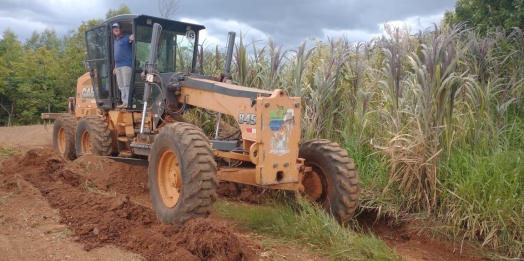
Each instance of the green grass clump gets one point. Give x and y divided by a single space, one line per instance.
311 227
483 198
6 152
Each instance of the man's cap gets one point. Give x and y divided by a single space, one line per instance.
117 24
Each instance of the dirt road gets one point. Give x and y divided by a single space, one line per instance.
98 209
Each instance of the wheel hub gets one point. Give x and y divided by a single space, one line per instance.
86 142
61 137
312 185
169 178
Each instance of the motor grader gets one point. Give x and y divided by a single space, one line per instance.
185 165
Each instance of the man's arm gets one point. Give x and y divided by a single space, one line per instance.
131 38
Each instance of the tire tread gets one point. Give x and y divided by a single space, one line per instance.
342 201
199 180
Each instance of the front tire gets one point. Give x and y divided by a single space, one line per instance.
182 174
333 181
64 135
93 136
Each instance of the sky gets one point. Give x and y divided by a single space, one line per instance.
287 22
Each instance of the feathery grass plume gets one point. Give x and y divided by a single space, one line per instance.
420 106
392 69
246 68
356 70
217 59
352 80
276 56
213 60
258 65
301 58
512 52
241 62
435 81
268 70
480 131
325 97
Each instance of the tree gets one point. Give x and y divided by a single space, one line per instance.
124 9
487 15
38 74
168 8
10 47
5 105
10 53
72 63
47 39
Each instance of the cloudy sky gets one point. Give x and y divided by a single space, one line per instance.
288 22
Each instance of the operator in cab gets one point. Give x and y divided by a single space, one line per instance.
123 55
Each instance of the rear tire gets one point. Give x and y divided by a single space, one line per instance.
333 182
64 136
93 136
182 174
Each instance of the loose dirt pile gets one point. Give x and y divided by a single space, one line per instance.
104 203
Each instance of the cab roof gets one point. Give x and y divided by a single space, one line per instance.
150 20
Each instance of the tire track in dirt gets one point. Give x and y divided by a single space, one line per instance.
79 190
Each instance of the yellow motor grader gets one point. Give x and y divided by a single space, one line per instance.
184 165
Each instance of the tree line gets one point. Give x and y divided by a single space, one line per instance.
39 75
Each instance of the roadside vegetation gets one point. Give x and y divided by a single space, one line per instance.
434 120
306 225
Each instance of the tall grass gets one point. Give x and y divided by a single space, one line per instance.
325 97
485 203
433 120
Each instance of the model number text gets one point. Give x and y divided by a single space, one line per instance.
247 118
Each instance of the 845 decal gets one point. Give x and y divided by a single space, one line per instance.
247 118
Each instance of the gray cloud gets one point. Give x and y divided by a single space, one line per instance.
287 21
298 19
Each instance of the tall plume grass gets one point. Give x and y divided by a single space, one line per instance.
419 88
325 98
433 119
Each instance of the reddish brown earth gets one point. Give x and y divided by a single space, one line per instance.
97 209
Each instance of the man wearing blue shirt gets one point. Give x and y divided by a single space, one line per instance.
123 60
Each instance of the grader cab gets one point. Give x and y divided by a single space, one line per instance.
184 165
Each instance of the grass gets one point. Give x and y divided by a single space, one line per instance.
91 188
6 152
312 228
426 117
486 203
